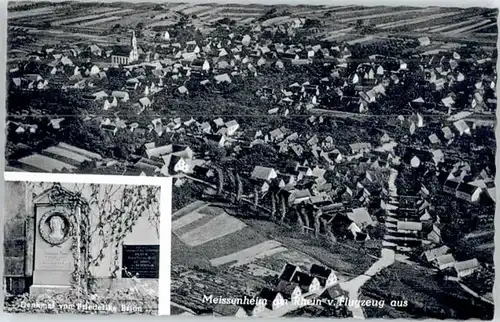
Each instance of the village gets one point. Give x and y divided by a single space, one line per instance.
383 145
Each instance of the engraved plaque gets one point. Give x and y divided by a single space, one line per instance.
142 261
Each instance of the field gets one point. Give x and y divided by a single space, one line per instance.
77 22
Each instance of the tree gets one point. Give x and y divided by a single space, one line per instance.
220 180
239 189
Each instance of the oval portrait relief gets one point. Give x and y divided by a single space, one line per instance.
54 227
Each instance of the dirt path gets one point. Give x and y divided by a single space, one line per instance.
353 286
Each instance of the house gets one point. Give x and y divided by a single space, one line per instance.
232 127
175 163
123 96
444 261
307 283
276 135
124 55
268 299
263 173
432 254
288 271
468 192
409 227
335 293
229 310
361 217
424 41
145 102
205 127
223 78
451 185
447 133
466 268
290 291
360 147
299 196
462 127
217 138
109 128
326 276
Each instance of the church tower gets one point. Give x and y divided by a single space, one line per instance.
134 55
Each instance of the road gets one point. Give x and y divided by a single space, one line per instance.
353 286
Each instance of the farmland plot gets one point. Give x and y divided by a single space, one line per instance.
276 21
335 10
468 28
247 255
380 15
218 227
417 20
130 20
98 21
196 205
361 12
486 30
445 26
85 18
30 13
186 220
196 9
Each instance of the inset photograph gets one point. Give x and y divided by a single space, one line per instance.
81 248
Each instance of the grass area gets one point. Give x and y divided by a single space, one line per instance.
428 296
337 256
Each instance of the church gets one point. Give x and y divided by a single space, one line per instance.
123 55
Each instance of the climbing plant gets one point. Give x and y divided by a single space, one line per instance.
104 215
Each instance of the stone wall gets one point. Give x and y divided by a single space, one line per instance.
18 234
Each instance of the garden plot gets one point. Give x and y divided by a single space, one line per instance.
98 21
487 27
445 26
276 21
380 15
247 255
216 228
186 220
417 20
196 9
234 16
328 9
131 19
90 17
196 205
257 270
337 33
30 13
247 20
469 28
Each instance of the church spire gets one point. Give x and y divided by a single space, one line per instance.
133 41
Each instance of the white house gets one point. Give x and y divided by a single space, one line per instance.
263 173
232 127
326 276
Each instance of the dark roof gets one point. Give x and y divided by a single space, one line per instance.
226 309
303 279
320 271
288 272
452 184
122 50
269 295
286 288
466 188
333 292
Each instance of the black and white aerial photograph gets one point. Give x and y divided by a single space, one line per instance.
327 161
81 248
